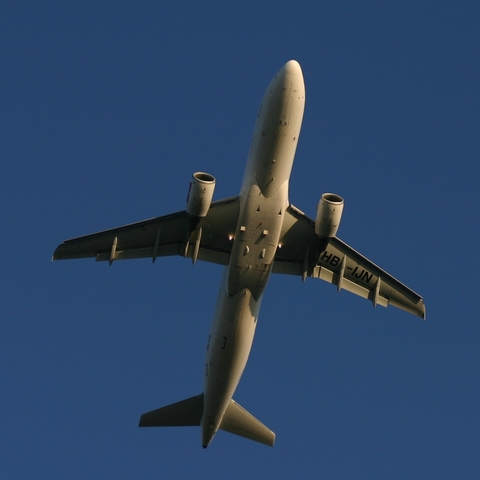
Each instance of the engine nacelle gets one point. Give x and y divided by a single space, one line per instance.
200 194
329 214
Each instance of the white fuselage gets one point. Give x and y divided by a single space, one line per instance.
263 201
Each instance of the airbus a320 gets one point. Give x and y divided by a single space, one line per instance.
254 234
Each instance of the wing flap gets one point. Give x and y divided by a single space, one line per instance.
348 285
163 251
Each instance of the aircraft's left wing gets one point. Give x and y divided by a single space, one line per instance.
161 236
302 253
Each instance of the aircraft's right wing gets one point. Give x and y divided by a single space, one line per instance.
302 253
161 236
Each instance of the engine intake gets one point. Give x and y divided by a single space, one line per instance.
200 194
329 214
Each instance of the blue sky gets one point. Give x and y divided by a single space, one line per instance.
107 108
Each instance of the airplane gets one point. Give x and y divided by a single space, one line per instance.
254 234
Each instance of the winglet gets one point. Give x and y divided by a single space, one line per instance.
424 316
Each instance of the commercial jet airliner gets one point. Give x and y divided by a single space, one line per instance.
255 234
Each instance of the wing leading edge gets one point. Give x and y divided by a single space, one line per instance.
161 236
301 253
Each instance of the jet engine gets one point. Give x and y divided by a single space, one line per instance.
200 194
329 214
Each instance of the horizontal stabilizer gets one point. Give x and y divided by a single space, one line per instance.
238 421
181 414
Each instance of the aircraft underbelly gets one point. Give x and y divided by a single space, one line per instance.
263 203
256 239
228 349
276 132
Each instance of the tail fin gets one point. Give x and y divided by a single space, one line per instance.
189 413
181 414
240 422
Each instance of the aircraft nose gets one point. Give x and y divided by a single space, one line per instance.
292 67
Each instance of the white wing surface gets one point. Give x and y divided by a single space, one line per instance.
301 252
161 236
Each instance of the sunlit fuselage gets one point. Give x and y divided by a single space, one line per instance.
263 200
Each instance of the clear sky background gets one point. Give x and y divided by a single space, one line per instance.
106 110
